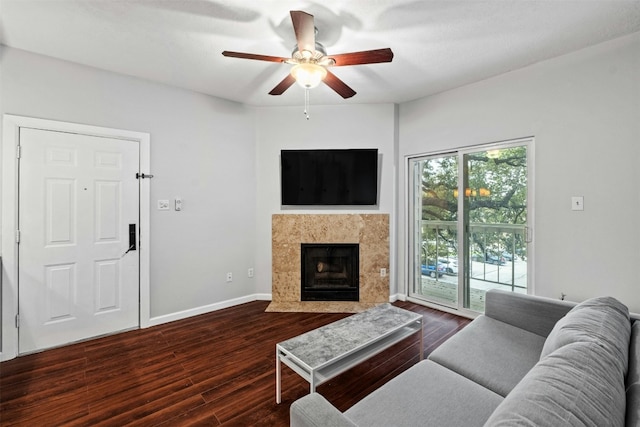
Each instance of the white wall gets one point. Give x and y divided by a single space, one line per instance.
584 111
2 50
202 149
337 126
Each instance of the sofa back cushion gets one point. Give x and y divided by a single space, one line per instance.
633 377
602 320
576 385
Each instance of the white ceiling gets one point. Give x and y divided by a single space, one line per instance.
438 45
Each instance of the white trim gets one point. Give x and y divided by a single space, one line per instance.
397 297
10 140
531 215
407 275
166 318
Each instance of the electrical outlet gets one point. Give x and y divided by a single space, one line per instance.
250 272
229 277
383 272
178 204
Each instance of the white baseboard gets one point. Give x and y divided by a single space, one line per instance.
397 297
166 318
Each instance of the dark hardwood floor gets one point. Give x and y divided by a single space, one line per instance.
217 369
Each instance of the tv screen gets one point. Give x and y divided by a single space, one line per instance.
329 177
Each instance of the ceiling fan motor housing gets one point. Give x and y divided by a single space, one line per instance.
303 56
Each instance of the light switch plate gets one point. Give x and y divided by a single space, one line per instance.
163 205
577 203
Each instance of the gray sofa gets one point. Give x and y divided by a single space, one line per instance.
528 361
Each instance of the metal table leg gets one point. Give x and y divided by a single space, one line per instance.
278 376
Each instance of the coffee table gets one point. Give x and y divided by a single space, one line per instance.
322 354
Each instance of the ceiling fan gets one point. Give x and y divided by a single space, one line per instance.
310 60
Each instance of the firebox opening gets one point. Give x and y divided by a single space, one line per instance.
330 272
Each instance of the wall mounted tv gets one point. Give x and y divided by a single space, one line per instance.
329 177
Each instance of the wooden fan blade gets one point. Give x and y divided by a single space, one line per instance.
254 56
364 57
304 29
283 85
338 85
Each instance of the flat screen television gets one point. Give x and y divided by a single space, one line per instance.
329 177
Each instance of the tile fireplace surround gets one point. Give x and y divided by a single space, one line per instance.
288 231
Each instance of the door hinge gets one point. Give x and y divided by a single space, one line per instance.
143 176
17 236
18 151
17 321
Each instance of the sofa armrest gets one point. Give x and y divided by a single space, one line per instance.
313 410
531 313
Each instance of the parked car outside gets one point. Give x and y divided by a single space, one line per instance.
450 266
488 258
509 257
477 257
494 259
433 271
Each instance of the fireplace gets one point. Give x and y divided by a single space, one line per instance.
330 272
290 231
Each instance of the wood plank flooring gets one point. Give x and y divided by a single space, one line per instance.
217 369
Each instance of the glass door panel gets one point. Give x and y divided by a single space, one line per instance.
435 276
495 216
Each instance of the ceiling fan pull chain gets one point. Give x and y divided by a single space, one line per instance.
306 103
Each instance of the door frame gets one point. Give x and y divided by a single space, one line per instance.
10 192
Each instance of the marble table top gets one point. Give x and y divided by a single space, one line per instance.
319 346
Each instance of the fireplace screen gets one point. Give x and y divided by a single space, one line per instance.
330 272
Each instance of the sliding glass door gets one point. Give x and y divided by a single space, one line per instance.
468 224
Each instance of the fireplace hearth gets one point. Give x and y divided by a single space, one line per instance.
330 272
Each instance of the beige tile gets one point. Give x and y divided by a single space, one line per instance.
285 257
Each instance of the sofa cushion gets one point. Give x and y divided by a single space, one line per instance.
633 377
313 410
576 385
427 394
633 374
603 320
633 405
494 354
529 312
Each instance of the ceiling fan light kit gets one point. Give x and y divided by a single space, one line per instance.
310 60
308 75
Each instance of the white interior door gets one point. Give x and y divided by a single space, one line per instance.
78 196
